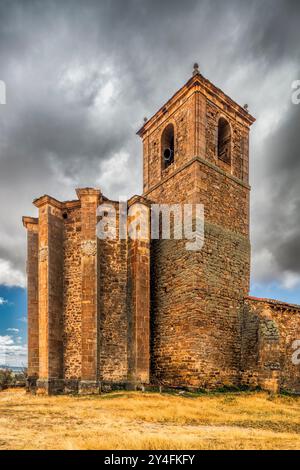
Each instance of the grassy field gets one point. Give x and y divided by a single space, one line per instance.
135 420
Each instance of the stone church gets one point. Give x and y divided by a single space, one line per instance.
123 313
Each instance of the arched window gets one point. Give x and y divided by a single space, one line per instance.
224 141
167 146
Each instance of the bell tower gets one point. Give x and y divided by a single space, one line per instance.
196 150
198 122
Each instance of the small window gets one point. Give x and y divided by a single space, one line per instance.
224 141
167 146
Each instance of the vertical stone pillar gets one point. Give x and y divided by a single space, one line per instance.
145 163
50 260
200 124
89 199
32 227
138 300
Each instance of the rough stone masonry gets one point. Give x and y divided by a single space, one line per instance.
116 313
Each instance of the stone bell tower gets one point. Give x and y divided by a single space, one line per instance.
115 312
196 150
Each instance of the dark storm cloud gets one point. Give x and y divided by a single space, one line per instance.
81 76
281 212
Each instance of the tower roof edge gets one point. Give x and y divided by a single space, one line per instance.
210 90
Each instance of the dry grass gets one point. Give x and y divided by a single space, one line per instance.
149 421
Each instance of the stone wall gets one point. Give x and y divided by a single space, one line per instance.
182 119
89 201
239 144
196 307
269 330
50 285
88 299
72 294
112 260
197 297
31 225
55 293
194 112
96 298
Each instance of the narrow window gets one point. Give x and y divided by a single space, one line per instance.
167 146
224 141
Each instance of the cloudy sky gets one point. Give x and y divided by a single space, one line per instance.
81 75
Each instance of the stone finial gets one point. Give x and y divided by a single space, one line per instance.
196 69
30 222
81 192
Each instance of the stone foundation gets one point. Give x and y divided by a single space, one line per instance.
50 386
89 387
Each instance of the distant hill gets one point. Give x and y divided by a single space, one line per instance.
13 368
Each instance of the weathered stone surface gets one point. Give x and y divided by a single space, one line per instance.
113 315
107 314
72 294
32 299
269 330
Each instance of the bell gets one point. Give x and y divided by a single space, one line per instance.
168 155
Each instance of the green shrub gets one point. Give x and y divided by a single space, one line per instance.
7 378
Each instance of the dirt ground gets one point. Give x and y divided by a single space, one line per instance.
152 421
